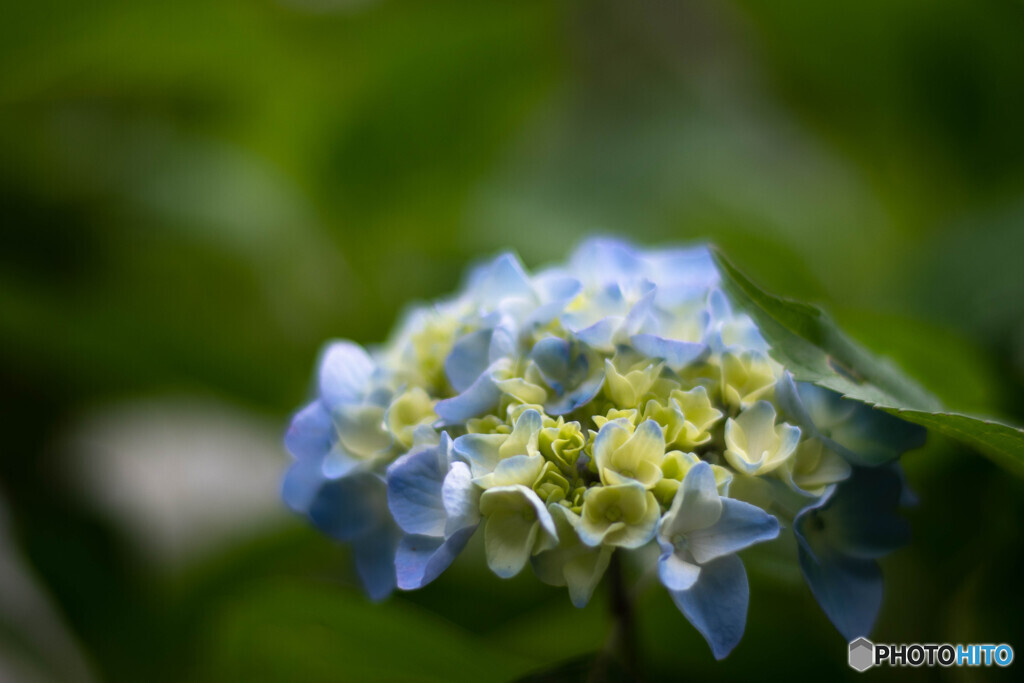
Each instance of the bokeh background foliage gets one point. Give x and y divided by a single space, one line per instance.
195 195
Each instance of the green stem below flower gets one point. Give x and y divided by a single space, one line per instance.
619 660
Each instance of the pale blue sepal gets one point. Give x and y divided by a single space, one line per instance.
601 334
502 278
840 538
848 589
740 526
375 559
479 398
348 508
310 433
716 605
415 497
345 371
676 354
421 559
300 484
468 359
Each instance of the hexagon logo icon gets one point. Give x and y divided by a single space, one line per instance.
862 654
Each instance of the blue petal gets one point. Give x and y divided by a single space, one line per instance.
414 491
461 498
479 398
310 433
862 518
740 526
301 483
375 560
503 341
717 603
682 273
602 259
468 359
791 406
848 589
676 353
345 371
861 434
600 334
876 437
421 559
555 293
551 355
675 572
642 312
350 507
556 286
339 463
503 277
578 398
480 451
718 306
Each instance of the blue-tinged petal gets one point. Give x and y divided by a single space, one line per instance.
339 463
503 342
375 559
421 559
675 572
605 259
908 498
875 437
848 589
740 526
415 498
301 483
468 359
696 505
478 399
350 507
345 371
716 605
718 306
600 335
676 354
555 293
551 355
641 313
791 406
481 451
682 273
861 434
556 286
461 498
310 433
581 396
501 278
862 518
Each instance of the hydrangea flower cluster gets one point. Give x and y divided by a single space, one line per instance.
608 405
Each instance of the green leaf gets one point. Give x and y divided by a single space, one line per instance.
283 629
809 344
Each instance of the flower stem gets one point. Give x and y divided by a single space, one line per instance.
622 645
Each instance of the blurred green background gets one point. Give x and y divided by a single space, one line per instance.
195 195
